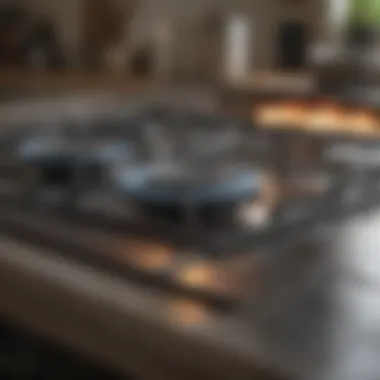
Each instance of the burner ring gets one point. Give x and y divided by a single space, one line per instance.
146 186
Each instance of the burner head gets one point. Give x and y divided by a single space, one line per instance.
177 184
45 149
64 162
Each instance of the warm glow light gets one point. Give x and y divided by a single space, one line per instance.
328 117
199 275
207 276
268 116
232 277
280 115
361 121
325 117
293 113
147 256
187 313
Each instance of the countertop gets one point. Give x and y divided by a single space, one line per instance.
119 82
273 81
314 315
70 80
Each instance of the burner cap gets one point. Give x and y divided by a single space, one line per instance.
173 185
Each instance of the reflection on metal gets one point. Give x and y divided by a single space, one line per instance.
187 313
255 214
200 274
234 277
211 277
258 212
145 255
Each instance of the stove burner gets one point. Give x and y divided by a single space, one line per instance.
68 164
189 193
200 191
173 185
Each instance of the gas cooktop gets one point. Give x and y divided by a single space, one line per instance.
176 200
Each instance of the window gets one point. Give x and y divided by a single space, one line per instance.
364 12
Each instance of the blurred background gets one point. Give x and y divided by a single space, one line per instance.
304 69
203 40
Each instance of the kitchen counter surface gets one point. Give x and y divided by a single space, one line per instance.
71 80
61 81
314 315
272 81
